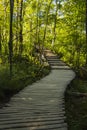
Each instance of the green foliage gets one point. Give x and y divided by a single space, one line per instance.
78 85
25 72
59 26
76 106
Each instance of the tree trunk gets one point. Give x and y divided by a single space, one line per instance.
11 36
5 29
86 32
31 38
21 27
17 27
55 20
37 23
47 12
0 41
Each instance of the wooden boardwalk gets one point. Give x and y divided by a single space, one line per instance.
40 106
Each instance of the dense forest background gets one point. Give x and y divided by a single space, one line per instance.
28 26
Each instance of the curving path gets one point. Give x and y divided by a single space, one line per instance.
40 106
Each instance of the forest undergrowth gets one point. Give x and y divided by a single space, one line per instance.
76 104
25 72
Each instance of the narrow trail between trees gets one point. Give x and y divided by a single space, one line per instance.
40 106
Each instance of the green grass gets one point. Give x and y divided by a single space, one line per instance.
24 73
76 106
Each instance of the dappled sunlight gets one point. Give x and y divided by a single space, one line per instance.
40 38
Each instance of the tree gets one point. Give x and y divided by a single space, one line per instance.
46 23
0 41
86 32
55 20
42 23
17 26
11 36
21 27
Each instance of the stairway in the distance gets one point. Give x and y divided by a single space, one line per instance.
40 106
54 61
